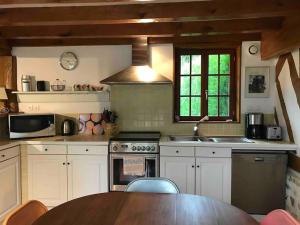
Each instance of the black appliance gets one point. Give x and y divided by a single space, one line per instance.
68 127
255 126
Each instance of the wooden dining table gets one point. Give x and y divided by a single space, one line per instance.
121 208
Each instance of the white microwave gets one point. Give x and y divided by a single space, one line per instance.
31 125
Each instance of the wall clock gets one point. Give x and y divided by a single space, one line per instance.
68 61
253 49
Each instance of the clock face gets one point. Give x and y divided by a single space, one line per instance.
68 61
253 49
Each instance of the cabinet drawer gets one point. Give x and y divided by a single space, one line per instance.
176 151
87 150
47 149
9 153
213 152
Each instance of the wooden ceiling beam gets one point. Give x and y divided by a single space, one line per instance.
206 38
148 29
287 39
69 42
198 10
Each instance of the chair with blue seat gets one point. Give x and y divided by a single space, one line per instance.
153 185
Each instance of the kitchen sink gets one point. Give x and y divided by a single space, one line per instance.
211 139
190 138
231 140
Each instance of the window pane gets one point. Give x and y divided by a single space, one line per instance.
185 85
212 106
213 85
185 64
224 85
196 106
196 85
184 106
196 64
224 106
225 64
213 64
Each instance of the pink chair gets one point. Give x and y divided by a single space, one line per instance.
279 217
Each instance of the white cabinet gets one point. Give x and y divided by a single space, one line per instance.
87 174
56 178
47 179
199 170
10 180
181 170
213 178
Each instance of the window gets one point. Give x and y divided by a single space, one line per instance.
205 84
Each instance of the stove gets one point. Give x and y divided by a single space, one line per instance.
135 142
141 149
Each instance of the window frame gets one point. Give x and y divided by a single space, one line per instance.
234 82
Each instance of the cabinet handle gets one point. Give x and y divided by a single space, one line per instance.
213 152
86 150
64 163
198 166
68 163
193 166
3 156
177 151
46 149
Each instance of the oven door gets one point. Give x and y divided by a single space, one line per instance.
119 181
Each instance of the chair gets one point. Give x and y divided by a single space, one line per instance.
154 185
26 214
279 217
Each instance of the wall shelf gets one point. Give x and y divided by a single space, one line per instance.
58 92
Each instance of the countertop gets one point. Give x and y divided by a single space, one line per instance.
258 144
75 139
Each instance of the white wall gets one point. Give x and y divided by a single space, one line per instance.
162 62
290 99
95 64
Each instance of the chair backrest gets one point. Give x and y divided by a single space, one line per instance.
279 217
26 214
154 185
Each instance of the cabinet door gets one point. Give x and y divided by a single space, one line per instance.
47 179
87 174
181 170
10 185
213 178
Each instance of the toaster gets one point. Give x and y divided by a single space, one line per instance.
273 133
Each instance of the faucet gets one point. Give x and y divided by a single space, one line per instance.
196 127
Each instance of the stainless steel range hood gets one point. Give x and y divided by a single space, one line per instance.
140 72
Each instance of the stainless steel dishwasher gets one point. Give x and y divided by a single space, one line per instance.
258 180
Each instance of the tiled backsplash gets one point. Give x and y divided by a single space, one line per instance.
150 107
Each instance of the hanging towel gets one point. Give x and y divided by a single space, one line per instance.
134 166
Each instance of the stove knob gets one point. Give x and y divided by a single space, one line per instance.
152 148
139 148
115 148
148 148
143 148
133 148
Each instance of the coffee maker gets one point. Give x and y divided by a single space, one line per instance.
255 126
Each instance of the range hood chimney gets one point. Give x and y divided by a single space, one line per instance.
140 72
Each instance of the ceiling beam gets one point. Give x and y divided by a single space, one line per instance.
287 39
148 29
69 42
198 10
206 38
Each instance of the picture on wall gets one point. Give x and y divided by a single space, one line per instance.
257 82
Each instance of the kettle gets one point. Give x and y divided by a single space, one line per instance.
67 127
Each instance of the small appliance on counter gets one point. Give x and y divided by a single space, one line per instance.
255 126
41 85
273 133
67 127
26 83
31 125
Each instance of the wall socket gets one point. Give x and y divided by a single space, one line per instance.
33 108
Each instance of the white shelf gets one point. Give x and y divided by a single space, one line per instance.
57 92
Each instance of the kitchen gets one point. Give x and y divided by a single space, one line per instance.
97 77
